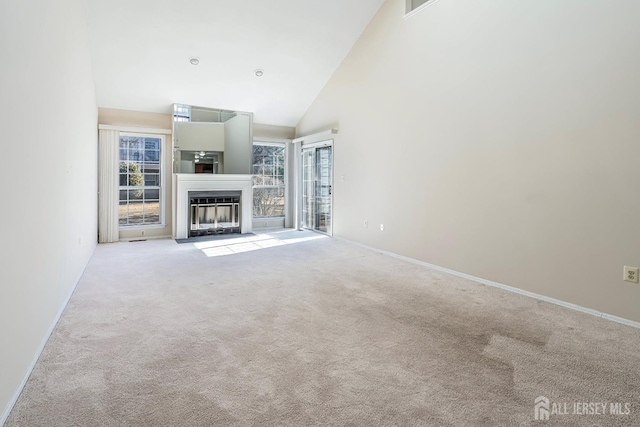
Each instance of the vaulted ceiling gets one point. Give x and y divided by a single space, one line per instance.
141 51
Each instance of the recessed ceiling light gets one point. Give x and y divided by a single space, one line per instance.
194 61
258 73
202 153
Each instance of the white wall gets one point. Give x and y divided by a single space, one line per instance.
496 138
48 117
272 131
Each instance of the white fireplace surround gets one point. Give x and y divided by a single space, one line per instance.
185 182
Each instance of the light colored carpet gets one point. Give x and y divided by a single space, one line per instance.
297 329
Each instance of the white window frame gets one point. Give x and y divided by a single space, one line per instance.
162 188
281 144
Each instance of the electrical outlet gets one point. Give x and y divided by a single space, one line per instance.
381 227
366 224
630 274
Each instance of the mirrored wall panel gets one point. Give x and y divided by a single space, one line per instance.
224 136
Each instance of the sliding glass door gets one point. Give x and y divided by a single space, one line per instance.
317 181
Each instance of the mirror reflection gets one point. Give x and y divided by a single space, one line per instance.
211 140
200 162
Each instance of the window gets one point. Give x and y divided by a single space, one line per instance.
414 5
268 180
181 113
140 179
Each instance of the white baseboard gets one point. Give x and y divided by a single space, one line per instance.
14 399
555 301
140 239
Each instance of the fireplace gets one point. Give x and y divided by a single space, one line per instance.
214 212
230 214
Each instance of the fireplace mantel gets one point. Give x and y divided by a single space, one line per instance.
185 182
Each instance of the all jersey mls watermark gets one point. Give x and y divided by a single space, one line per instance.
544 409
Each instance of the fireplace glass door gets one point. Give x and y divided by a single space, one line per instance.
317 181
211 214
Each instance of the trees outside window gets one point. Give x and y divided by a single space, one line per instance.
140 180
268 180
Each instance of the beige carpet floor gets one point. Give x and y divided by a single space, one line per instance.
296 329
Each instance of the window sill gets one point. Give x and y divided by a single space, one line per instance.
141 227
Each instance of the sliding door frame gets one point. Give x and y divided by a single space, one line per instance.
300 186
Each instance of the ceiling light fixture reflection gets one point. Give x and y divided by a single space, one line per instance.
202 153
